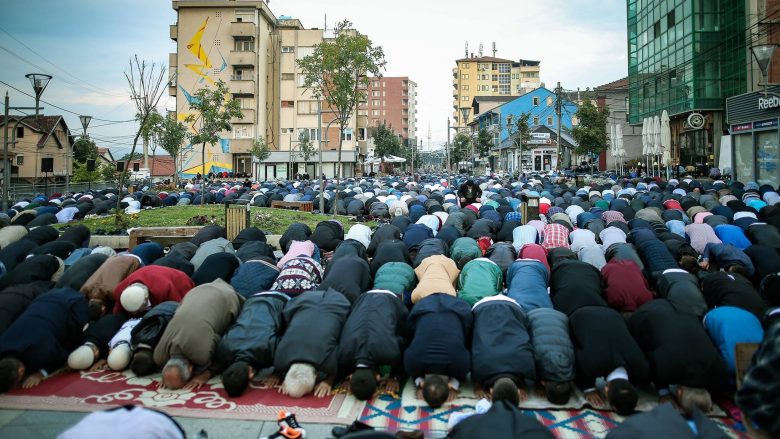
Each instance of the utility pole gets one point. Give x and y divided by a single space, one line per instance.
448 144
558 112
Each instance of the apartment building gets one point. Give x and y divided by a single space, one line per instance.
392 101
489 76
244 44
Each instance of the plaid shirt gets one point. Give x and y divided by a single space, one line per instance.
612 215
555 235
759 396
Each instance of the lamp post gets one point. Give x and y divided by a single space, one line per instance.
39 82
85 120
763 54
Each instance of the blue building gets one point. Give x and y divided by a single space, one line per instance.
538 154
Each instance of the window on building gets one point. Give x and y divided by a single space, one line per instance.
244 45
485 88
376 112
485 77
362 112
464 98
244 73
311 132
243 131
288 49
247 103
20 160
288 104
465 65
464 76
670 19
301 81
347 134
288 76
536 120
375 84
494 77
657 29
245 15
19 132
575 121
361 134
549 120
494 89
464 87
550 101
515 76
307 107
494 66
288 130
305 51
375 102
503 79
376 93
536 100
504 89
504 68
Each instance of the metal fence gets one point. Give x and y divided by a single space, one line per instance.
18 191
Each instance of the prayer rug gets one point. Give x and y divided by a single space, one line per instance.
91 391
574 420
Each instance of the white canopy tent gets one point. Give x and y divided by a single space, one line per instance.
666 141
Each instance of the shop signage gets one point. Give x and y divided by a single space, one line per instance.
539 142
741 127
765 124
769 101
540 135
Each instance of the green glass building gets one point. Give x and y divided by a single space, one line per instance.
686 56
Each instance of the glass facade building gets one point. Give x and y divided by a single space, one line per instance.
684 55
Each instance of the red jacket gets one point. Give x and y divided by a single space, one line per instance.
164 284
625 287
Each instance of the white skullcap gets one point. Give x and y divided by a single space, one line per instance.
134 297
119 357
81 358
108 251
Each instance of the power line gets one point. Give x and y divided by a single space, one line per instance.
63 109
93 87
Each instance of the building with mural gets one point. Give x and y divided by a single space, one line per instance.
255 54
540 152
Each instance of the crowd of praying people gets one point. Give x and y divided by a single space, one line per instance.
613 287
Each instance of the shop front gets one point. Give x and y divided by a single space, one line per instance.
754 122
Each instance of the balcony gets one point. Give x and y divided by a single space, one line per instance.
242 58
174 31
173 59
243 29
242 86
249 116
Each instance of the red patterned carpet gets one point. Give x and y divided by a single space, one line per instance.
90 391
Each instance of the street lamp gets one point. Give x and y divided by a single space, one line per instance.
85 120
763 54
39 82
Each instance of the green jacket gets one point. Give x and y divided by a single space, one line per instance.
480 278
396 277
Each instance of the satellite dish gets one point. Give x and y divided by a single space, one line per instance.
696 121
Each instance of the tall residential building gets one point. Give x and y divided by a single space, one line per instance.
392 101
242 43
687 57
489 76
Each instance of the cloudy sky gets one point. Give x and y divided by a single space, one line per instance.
86 45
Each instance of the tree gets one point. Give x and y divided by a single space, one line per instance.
259 149
214 109
460 148
150 132
385 142
519 131
170 136
84 149
591 132
483 143
305 146
337 71
108 173
146 88
81 175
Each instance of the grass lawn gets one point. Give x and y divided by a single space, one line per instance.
274 221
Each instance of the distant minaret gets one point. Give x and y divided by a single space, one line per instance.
467 50
494 49
429 137
480 50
